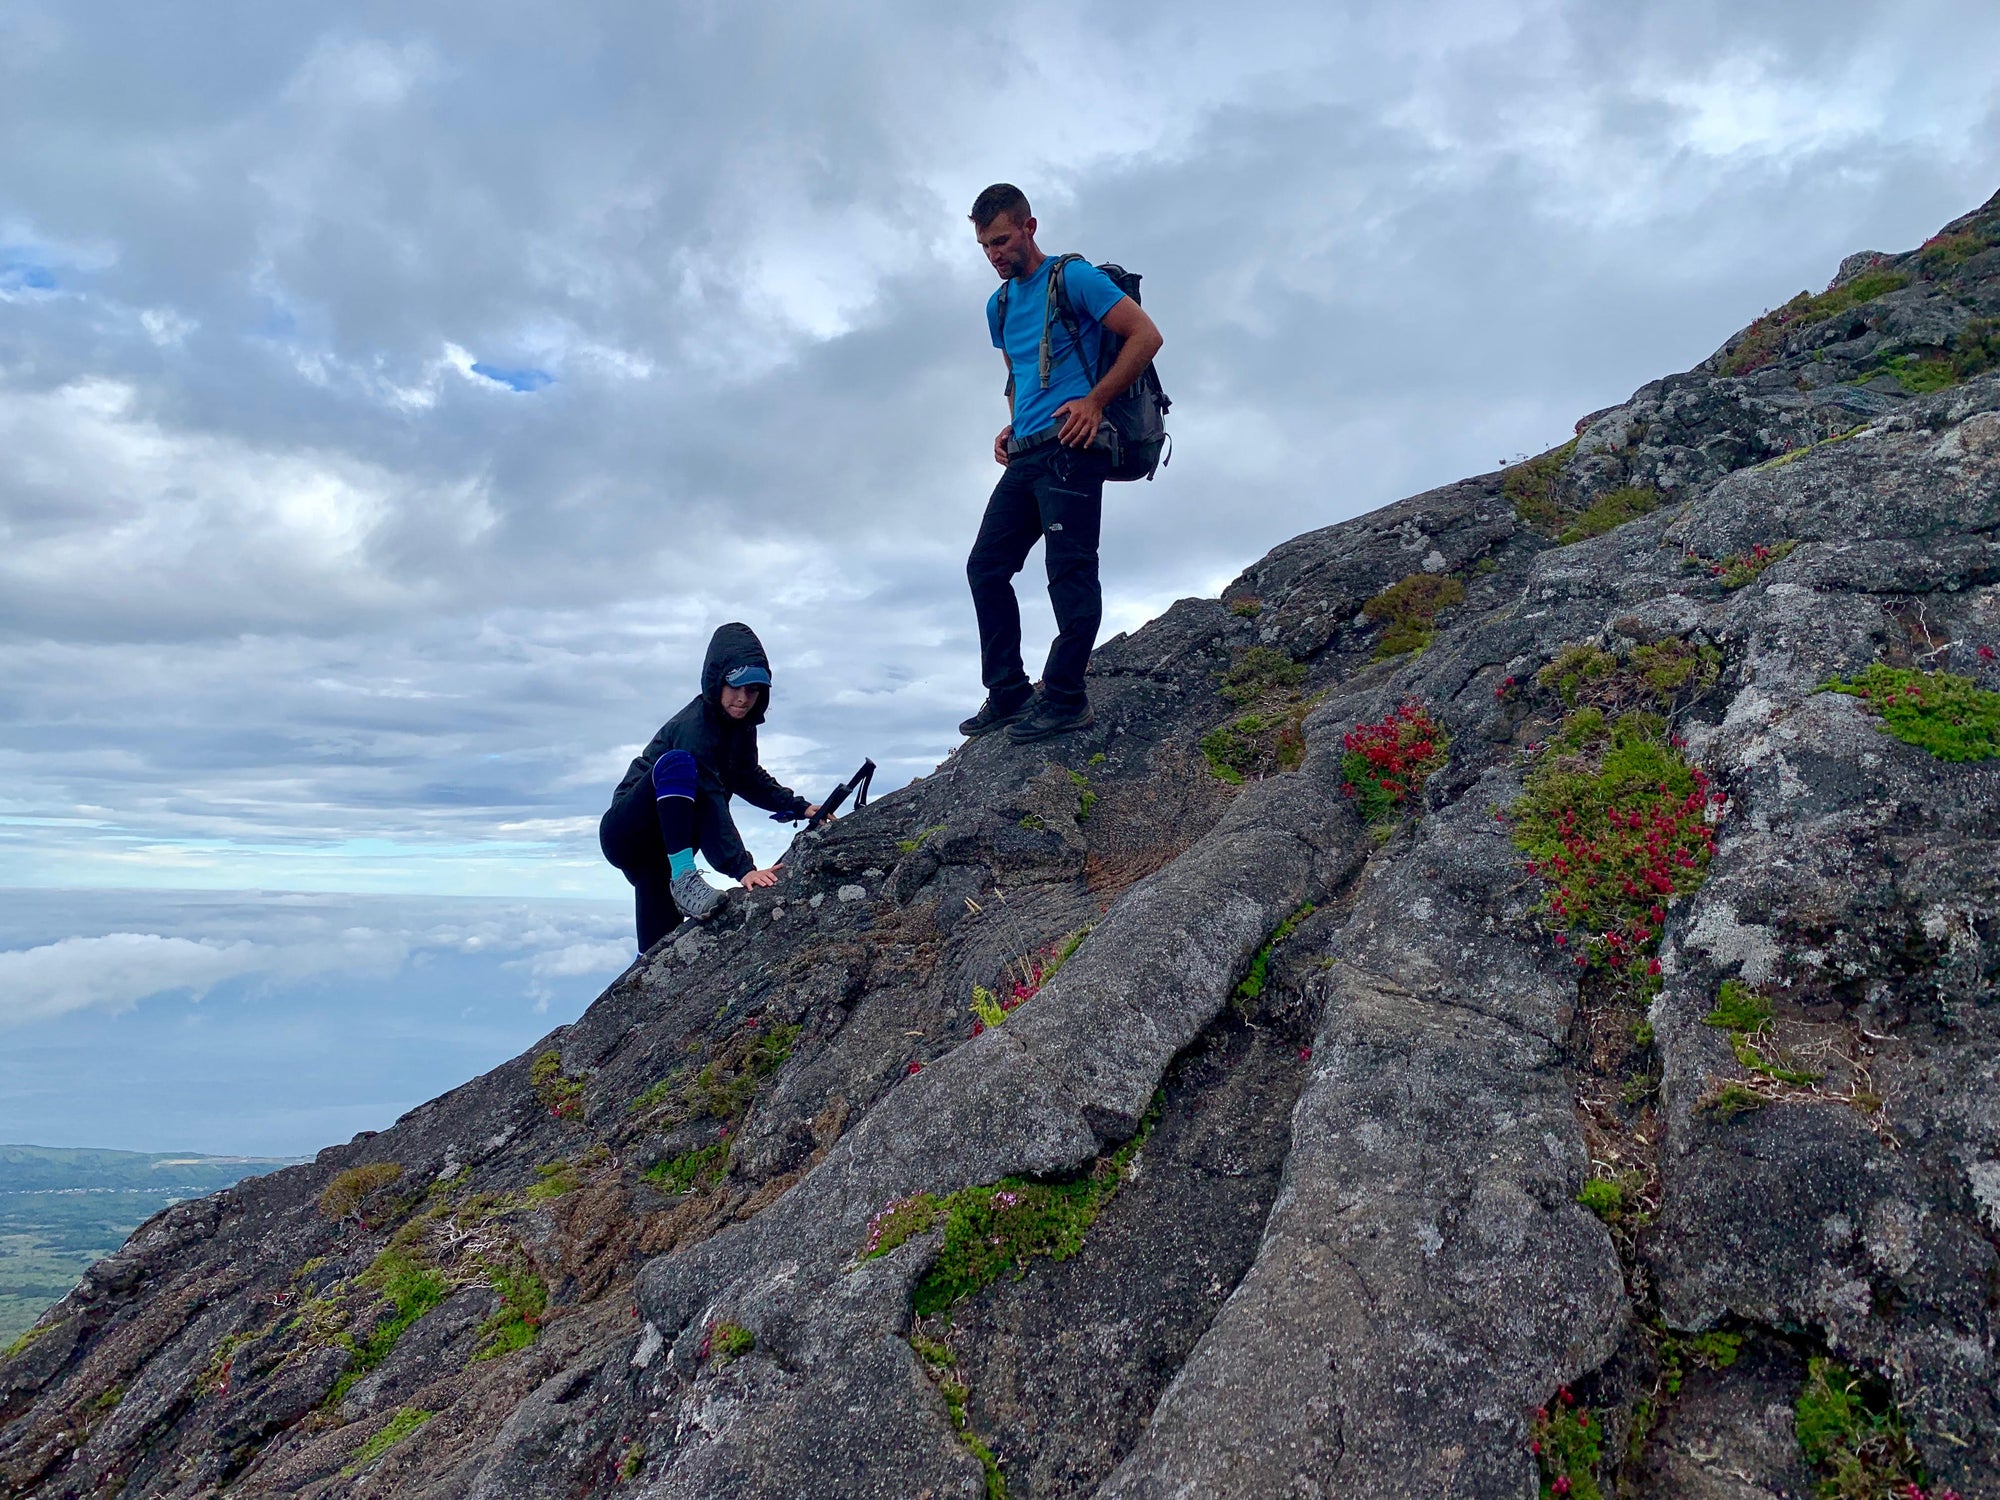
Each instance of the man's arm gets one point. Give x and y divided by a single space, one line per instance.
1129 321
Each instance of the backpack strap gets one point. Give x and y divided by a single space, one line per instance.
1058 307
1002 309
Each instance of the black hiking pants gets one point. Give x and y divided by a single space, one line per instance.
633 838
1055 495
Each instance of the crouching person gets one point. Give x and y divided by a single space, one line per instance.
675 797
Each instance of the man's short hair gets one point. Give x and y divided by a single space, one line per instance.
1001 198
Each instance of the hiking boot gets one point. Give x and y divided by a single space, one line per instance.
990 718
696 898
1049 720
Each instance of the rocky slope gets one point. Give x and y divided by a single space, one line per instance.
1613 1100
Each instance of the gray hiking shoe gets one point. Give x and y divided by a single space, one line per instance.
696 898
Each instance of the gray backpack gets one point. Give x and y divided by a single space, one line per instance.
1138 413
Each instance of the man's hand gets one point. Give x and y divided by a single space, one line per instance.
1080 420
813 810
758 880
1000 445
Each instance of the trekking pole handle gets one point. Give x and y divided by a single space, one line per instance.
857 783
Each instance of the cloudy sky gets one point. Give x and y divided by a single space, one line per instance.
392 399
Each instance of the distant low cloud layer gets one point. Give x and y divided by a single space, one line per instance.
273 1023
391 401
287 941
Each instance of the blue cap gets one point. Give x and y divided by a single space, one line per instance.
748 677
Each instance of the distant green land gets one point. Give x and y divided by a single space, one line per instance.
61 1208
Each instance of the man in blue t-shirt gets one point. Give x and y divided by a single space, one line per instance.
1056 451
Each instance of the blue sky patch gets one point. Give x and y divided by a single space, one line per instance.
18 274
514 380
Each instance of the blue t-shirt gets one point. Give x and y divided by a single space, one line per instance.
1092 294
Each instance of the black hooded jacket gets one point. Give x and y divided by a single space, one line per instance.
724 749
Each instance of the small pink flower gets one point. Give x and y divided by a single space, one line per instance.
1305 1054
1985 654
915 1066
1653 967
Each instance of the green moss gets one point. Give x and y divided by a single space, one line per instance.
1231 749
1603 1197
411 1288
659 1094
1259 670
1608 511
911 846
344 1194
560 1094
1746 1016
992 1230
1086 799
1659 673
1484 566
1575 669
1796 454
1410 608
724 1086
728 1342
524 1297
1246 608
941 1365
1675 1352
406 1421
1949 716
633 1461
1765 339
1851 1431
1729 1101
691 1171
22 1344
1533 488
552 1180
1251 986
1920 376
1671 667
1739 1008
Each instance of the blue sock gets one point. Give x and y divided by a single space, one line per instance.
680 862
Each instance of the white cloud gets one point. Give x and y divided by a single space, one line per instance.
115 972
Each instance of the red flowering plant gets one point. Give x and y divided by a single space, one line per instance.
1387 763
1567 1441
1740 569
1617 824
1024 980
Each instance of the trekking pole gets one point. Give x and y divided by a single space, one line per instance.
855 786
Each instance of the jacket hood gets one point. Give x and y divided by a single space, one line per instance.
733 645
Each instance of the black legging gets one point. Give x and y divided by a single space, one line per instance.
635 835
